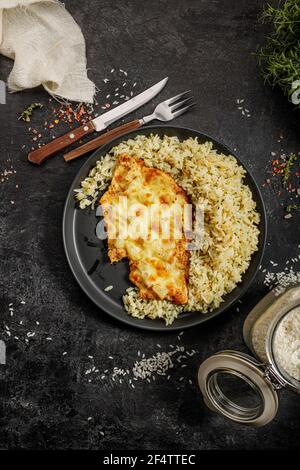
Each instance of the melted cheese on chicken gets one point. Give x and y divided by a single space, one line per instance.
144 223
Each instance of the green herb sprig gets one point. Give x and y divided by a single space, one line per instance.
289 162
293 207
27 113
279 58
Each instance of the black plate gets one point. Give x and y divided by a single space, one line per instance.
87 256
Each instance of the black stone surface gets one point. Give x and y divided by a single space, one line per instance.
205 45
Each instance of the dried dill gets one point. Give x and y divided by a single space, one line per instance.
293 207
27 113
289 162
279 58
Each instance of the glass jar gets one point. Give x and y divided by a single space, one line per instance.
244 388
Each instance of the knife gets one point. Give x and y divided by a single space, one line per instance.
98 124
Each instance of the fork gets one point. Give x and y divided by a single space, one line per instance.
165 111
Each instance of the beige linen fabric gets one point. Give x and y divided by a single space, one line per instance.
47 47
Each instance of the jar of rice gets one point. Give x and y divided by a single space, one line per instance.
244 388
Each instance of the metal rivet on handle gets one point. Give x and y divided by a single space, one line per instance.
85 128
72 136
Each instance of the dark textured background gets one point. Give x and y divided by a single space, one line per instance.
207 46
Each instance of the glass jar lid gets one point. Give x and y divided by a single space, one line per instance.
237 386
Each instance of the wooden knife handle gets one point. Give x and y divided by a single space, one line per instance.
102 139
40 155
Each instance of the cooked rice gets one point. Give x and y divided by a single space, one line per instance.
212 180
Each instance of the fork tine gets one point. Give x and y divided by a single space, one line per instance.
183 110
177 97
179 104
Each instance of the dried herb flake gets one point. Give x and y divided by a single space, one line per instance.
27 113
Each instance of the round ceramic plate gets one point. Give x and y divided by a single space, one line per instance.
87 255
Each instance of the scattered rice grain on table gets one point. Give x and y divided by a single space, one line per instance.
231 221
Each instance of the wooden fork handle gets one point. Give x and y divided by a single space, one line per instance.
43 153
102 139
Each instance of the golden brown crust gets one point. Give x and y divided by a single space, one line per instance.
156 277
